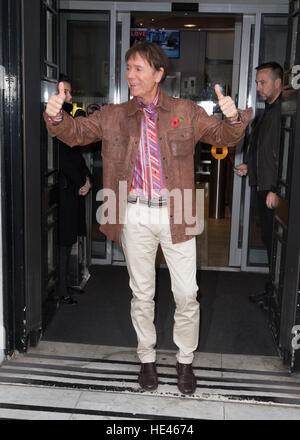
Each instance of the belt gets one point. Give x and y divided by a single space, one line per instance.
152 203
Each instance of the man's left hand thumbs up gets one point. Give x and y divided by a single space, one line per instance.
226 105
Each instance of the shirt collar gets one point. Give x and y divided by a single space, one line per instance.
150 107
164 103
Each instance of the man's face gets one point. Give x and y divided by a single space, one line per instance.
267 88
142 79
68 90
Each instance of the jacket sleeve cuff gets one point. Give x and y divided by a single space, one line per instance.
57 120
237 122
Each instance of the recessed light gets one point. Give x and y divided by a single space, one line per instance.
189 25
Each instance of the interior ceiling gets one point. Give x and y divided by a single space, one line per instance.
174 21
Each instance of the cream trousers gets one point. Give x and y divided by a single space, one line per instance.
143 230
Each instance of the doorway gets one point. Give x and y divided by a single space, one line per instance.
218 47
118 25
235 60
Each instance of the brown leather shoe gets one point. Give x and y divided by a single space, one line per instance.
148 376
186 379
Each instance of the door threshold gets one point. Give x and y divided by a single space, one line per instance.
235 386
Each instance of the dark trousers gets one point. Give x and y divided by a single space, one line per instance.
266 216
65 252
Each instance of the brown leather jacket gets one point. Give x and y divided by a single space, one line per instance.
118 126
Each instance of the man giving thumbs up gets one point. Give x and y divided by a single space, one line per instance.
55 102
226 105
148 146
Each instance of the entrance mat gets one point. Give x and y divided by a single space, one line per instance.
229 322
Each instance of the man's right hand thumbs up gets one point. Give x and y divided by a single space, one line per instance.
226 104
56 101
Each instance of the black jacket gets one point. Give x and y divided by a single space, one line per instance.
72 176
265 176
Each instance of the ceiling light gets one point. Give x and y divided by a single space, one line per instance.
189 25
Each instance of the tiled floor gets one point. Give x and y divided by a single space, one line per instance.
74 381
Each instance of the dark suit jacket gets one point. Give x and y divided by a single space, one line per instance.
72 176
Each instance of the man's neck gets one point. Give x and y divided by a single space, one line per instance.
274 98
148 102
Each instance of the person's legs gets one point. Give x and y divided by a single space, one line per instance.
144 229
65 297
140 245
181 261
266 216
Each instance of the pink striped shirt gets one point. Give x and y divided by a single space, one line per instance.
147 181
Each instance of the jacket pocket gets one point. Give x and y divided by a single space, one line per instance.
114 146
181 141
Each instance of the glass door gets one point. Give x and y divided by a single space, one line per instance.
49 164
284 315
246 96
85 58
115 252
264 39
93 46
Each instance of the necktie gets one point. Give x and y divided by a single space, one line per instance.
151 144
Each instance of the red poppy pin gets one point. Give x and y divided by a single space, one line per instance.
176 121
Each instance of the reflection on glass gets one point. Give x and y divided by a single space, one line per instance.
87 63
285 155
273 38
294 40
50 22
279 230
250 68
50 154
257 253
50 218
282 191
50 250
50 179
88 59
278 261
118 63
51 72
98 239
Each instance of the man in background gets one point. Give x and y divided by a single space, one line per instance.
261 162
74 185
